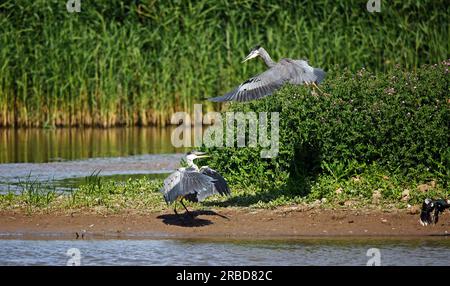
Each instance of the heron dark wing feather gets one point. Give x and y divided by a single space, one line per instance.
186 182
195 180
171 181
223 98
172 188
220 184
302 72
257 87
286 70
320 74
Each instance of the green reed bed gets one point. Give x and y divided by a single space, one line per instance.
136 62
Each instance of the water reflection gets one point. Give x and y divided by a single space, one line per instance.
40 145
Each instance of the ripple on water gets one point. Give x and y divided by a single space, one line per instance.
179 252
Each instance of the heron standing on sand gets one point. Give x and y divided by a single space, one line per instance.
285 71
192 183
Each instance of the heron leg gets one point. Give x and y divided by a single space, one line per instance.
175 208
309 85
317 87
436 216
187 211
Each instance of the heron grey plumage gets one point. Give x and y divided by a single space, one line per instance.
285 71
431 210
192 183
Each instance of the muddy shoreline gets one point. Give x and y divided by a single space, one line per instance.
223 223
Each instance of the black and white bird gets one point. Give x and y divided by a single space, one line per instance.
291 71
431 210
193 184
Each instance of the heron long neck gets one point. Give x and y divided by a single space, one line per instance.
191 164
266 58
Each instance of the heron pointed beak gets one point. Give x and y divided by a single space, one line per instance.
246 59
250 56
200 155
203 156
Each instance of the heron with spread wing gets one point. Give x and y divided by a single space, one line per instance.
285 71
431 210
192 183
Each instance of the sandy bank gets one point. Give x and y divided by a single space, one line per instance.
287 222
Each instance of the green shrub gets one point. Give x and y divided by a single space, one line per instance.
396 123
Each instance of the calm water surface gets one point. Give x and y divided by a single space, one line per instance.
67 144
191 252
63 157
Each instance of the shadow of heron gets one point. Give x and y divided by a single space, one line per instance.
189 220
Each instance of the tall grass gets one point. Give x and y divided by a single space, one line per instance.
35 193
135 62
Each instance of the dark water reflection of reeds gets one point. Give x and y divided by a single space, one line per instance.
41 145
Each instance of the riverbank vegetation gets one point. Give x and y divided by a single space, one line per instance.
136 62
376 140
142 196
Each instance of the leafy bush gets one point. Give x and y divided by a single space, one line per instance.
397 122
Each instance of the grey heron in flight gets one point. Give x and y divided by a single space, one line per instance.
285 71
192 183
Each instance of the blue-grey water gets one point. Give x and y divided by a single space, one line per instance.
67 174
61 158
194 252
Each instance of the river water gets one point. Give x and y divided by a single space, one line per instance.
201 252
63 157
